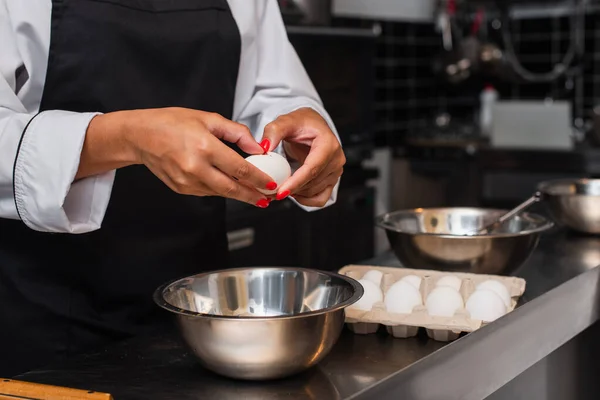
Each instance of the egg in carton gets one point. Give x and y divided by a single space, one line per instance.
442 328
366 321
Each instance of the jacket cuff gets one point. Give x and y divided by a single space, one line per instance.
46 163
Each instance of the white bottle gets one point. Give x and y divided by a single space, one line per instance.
488 97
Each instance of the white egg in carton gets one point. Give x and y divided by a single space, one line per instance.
451 312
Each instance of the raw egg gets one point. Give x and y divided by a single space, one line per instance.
485 305
374 276
274 165
372 294
450 281
498 288
413 280
443 301
402 297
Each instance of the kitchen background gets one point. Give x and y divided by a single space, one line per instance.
409 102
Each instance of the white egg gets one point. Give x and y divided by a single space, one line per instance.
413 280
274 165
485 305
450 281
402 297
372 294
443 301
497 287
373 276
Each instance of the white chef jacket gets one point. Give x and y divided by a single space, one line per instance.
271 82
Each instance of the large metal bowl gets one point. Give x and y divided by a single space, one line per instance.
441 239
574 203
260 323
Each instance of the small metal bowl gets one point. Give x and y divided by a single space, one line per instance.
440 238
260 323
574 203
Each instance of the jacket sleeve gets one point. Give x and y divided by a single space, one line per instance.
39 152
280 83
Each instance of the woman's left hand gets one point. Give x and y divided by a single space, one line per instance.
307 139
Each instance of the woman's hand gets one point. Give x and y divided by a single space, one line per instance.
180 146
307 139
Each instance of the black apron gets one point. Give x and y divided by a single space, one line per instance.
61 294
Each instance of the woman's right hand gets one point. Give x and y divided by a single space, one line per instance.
180 146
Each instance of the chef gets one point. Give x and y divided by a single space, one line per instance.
121 128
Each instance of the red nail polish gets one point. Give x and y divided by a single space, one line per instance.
282 195
271 185
262 203
266 145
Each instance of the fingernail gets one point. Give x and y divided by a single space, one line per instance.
266 145
262 203
271 185
282 195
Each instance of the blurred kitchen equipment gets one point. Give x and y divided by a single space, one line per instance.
490 60
487 99
493 63
507 9
471 55
490 57
498 222
576 46
260 323
306 12
574 203
435 238
460 58
521 124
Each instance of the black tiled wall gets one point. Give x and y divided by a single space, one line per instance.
409 96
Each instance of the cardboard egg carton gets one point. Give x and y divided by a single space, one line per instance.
407 325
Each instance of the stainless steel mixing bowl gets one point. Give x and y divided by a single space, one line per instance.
436 238
574 202
260 323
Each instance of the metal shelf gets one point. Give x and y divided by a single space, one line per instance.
374 32
549 11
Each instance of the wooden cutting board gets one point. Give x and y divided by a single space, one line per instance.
11 389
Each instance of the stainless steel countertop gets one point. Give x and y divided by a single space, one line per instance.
559 302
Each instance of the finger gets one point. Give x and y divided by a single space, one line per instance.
232 164
319 185
317 160
275 132
232 132
316 201
224 186
334 166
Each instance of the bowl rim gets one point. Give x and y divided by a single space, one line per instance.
161 302
544 186
546 224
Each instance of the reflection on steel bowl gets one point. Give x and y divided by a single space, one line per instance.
260 323
440 238
574 203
